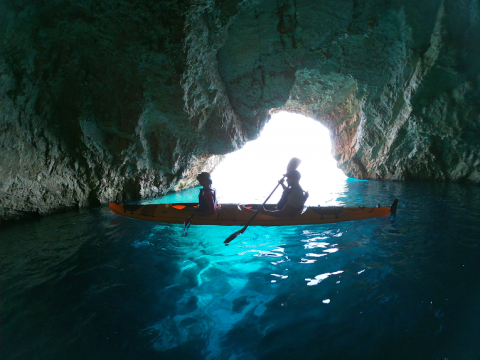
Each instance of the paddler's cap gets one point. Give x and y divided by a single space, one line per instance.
293 174
204 175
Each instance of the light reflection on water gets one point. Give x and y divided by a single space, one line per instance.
89 284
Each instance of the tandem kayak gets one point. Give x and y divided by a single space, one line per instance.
235 214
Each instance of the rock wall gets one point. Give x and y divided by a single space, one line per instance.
118 100
92 105
396 82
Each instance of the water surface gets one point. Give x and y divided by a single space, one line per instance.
88 284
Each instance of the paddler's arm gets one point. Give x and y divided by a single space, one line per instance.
287 210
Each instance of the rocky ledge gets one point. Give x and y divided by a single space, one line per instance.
120 100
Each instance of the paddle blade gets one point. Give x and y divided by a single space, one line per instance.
293 164
186 225
234 235
393 207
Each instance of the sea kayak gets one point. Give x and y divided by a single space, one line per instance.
237 214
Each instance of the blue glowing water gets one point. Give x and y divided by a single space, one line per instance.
88 284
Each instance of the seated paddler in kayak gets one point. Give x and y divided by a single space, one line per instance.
207 198
293 197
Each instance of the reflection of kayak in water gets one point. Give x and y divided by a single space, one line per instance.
234 214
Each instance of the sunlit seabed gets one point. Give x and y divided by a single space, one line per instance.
91 285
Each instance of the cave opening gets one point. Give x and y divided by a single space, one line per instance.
250 174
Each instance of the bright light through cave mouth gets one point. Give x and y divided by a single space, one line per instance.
249 175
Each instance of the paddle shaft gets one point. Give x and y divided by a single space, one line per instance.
254 215
292 165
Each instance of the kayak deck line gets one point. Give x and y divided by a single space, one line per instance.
239 214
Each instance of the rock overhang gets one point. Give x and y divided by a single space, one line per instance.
117 101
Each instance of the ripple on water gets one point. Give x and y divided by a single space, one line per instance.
88 283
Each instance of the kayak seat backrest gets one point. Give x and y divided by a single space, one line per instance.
227 212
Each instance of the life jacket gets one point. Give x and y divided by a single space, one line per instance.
202 204
283 200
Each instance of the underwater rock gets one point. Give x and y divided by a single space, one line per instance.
116 101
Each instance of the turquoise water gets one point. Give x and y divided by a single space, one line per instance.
88 284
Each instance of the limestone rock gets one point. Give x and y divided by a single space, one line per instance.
119 100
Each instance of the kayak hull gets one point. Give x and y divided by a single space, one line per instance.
239 215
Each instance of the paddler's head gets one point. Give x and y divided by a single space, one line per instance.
204 179
293 177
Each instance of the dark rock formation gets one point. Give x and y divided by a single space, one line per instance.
122 99
92 105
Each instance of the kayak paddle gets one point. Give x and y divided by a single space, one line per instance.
186 224
292 165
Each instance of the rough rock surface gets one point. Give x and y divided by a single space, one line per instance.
117 100
91 104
